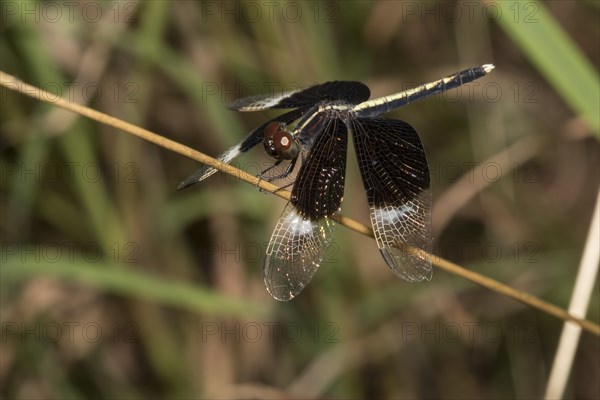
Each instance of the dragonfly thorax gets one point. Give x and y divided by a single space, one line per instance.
341 110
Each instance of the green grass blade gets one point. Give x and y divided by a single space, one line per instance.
556 56
136 284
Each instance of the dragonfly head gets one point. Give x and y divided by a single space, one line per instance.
279 143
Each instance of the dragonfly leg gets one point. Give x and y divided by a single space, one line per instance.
284 174
262 175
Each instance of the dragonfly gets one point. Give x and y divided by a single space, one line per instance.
392 163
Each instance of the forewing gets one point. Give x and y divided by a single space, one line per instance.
296 249
395 175
304 231
252 139
348 91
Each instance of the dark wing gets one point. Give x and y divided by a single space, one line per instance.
304 231
396 178
252 139
347 91
319 187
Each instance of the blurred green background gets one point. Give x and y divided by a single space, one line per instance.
114 285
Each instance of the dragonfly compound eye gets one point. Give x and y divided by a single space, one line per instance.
279 143
271 129
269 144
285 145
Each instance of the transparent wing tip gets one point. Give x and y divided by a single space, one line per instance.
407 266
280 293
297 248
278 289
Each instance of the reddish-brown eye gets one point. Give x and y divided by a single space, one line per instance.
279 143
285 145
268 133
271 129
